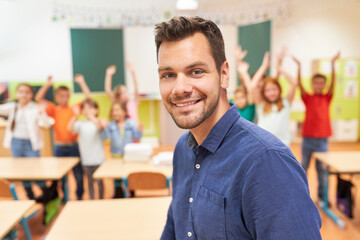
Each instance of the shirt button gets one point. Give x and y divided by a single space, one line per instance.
189 234
197 166
191 199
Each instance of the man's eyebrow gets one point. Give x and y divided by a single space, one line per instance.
195 64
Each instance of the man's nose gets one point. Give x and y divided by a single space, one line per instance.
182 85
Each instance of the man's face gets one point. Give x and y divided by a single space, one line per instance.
189 81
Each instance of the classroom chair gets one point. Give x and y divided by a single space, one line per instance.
7 192
147 184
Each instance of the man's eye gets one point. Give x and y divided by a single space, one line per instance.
197 72
167 75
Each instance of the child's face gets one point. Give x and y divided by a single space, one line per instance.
24 94
271 92
240 100
117 113
62 97
89 110
124 95
318 85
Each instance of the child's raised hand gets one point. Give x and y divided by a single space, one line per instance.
76 110
111 70
336 57
266 60
49 81
296 60
240 54
79 78
140 127
130 66
243 67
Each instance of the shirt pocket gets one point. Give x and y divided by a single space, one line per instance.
209 215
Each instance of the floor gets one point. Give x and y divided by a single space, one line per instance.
329 230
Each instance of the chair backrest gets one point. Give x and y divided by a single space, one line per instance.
5 193
146 181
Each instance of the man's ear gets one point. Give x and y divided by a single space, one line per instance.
224 75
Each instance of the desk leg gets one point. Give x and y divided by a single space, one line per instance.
324 205
66 188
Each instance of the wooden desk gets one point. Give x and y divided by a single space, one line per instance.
118 169
11 213
136 219
37 169
340 163
31 169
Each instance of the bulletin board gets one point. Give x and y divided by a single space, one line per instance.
93 50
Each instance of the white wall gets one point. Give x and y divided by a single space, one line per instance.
32 46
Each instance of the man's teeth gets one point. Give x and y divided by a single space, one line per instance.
185 104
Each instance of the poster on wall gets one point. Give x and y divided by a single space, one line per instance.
351 89
351 69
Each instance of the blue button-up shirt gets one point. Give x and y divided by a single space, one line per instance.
240 183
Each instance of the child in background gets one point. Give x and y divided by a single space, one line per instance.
121 92
90 142
121 131
317 126
242 97
23 135
62 112
273 111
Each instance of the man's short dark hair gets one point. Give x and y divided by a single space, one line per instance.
179 28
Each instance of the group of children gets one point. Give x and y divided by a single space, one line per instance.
259 99
72 137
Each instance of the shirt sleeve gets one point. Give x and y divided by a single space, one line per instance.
50 109
136 133
77 126
276 199
169 230
6 108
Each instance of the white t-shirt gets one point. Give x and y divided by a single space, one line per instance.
90 143
21 130
276 122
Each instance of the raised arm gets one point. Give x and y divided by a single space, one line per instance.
110 71
79 79
71 124
332 84
131 68
2 88
258 76
279 59
40 95
240 54
243 71
293 83
302 90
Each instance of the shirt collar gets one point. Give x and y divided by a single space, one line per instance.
218 132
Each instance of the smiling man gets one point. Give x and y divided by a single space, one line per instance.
231 179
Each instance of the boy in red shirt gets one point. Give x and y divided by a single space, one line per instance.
65 141
317 126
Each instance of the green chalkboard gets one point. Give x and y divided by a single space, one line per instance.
93 50
255 38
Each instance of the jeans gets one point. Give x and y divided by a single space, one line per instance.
72 151
89 171
310 145
22 148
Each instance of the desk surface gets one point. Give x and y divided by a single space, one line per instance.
11 213
136 219
342 162
117 168
43 168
